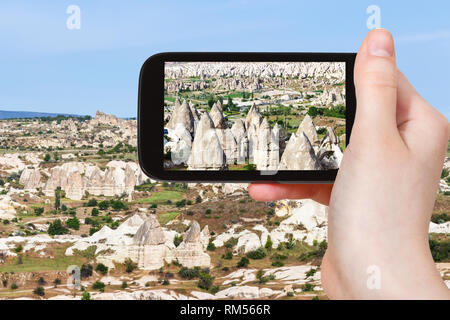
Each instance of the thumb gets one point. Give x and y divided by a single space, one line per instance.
376 89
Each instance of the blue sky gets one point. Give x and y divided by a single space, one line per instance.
46 67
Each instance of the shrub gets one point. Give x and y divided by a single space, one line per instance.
38 211
63 207
41 281
57 228
95 212
57 282
190 213
91 203
124 285
230 243
73 223
86 296
211 246
269 243
14 286
205 281
118 205
103 205
5 283
208 211
177 240
307 287
259 253
440 217
130 266
101 268
39 291
228 255
187 273
98 285
310 273
214 289
165 282
440 250
243 262
86 271
198 199
181 203
153 206
19 248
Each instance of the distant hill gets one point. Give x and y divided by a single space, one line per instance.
30 114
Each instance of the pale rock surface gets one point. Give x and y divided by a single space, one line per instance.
207 152
30 178
299 155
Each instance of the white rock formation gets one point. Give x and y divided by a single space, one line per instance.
207 152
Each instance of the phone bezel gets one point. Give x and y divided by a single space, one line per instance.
151 116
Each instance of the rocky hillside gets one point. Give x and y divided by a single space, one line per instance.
91 208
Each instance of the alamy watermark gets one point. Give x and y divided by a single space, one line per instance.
73 21
374 19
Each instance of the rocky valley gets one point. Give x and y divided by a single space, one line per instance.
254 116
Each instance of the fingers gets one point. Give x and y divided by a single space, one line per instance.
376 88
270 192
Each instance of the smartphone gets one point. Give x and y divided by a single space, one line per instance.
245 117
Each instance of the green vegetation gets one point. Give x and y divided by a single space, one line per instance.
161 197
32 264
440 217
440 250
336 112
259 253
101 268
164 218
244 262
57 228
73 223
39 291
98 285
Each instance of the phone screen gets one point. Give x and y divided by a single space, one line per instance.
265 116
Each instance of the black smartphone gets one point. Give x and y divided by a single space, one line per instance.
245 117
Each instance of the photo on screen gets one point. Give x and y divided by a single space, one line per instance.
266 116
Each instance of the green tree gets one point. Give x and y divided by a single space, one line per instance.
58 198
102 268
39 291
57 228
86 296
47 157
269 243
73 223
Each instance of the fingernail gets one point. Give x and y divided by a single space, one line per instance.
381 43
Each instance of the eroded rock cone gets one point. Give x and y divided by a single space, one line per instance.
217 117
194 111
230 146
299 155
307 126
329 139
182 115
264 137
239 133
30 178
193 234
207 152
149 233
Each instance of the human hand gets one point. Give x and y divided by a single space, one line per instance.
383 196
